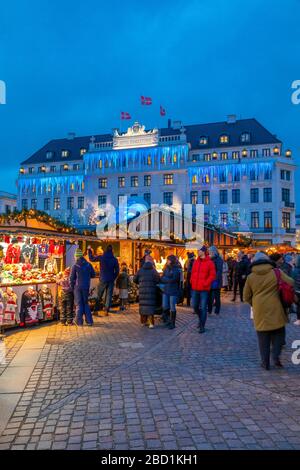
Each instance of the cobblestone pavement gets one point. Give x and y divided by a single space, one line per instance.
122 386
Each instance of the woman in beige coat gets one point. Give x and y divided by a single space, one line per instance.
261 292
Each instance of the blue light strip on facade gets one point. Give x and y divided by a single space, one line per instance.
51 184
137 158
200 173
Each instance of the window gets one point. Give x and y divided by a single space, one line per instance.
288 175
134 181
80 202
70 203
56 204
236 155
268 220
286 220
194 197
282 174
52 169
236 196
203 140
25 204
195 157
235 216
253 153
168 199
254 195
33 203
149 160
266 152
268 174
224 139
236 175
254 219
223 196
267 194
224 155
207 157
222 177
147 198
168 179
102 183
121 181
253 175
205 198
285 195
102 200
7 209
82 151
49 154
205 179
245 137
47 204
31 170
147 180
224 218
65 153
76 167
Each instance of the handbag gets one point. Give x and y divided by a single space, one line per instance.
286 291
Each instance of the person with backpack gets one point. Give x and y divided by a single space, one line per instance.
262 293
80 280
170 280
296 277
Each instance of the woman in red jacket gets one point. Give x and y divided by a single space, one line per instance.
203 274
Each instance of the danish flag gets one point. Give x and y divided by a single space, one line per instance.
146 100
162 111
125 115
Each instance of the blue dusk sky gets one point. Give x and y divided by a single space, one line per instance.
74 65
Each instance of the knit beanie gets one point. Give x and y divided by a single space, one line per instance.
260 256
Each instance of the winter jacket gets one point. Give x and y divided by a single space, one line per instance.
225 274
81 274
287 268
296 277
218 262
261 292
203 274
109 266
171 279
242 268
123 281
147 278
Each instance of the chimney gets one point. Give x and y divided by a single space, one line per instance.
71 135
231 118
169 123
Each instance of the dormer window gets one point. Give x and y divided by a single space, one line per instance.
224 139
82 151
49 155
245 137
65 153
203 140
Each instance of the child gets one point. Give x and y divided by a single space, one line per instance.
123 284
66 299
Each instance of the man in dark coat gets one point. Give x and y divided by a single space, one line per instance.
214 298
80 280
109 270
242 269
188 272
147 278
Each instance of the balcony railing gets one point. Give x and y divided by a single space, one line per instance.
289 204
290 230
261 230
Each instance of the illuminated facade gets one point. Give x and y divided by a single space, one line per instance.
236 168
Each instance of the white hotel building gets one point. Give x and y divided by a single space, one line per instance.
236 168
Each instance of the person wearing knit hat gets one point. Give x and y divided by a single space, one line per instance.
80 280
269 316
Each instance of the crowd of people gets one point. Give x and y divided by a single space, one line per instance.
258 278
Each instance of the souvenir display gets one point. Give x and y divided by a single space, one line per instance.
50 265
13 252
10 307
28 252
47 305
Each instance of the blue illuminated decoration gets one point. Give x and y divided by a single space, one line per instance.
138 158
207 174
51 184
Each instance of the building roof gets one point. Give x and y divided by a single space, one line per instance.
259 135
5 195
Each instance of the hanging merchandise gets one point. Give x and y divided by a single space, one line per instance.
10 307
50 265
13 252
28 252
47 305
43 249
1 252
30 307
56 249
